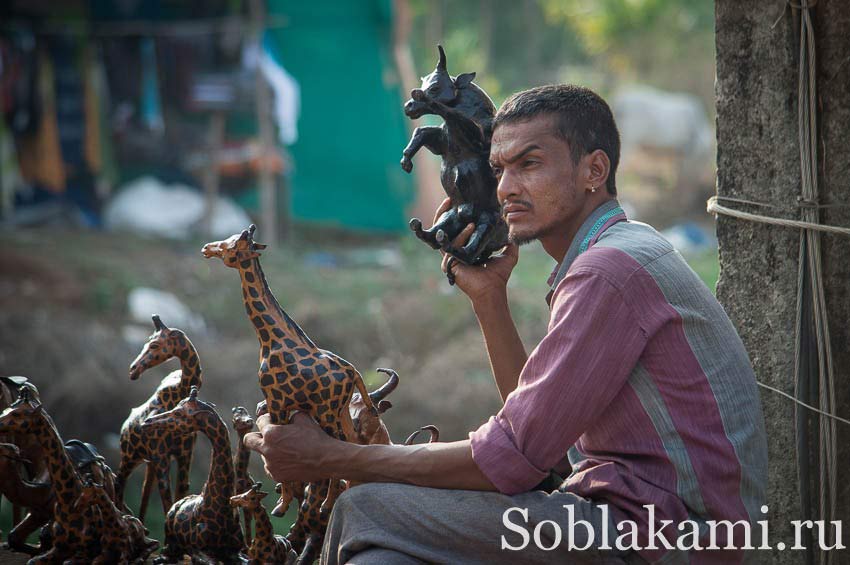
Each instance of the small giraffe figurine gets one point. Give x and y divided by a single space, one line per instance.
158 449
75 531
123 538
243 423
203 524
294 373
266 547
308 532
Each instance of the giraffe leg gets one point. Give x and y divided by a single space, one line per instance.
334 429
184 465
147 485
164 484
126 467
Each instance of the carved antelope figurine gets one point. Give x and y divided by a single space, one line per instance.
37 497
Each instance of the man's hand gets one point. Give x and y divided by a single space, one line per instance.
292 452
479 283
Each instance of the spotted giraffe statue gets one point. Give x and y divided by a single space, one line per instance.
201 525
123 538
266 547
76 532
159 449
294 373
243 423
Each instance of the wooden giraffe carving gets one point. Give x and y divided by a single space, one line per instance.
159 448
75 531
266 547
243 423
37 497
23 478
123 538
294 373
203 524
308 532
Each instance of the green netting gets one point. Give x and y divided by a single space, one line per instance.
352 129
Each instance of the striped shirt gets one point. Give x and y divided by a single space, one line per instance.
643 381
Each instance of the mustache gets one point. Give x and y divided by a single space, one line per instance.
524 203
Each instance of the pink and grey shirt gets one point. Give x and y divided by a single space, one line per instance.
643 379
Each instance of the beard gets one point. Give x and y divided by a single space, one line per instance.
523 239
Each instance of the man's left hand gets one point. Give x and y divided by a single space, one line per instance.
293 452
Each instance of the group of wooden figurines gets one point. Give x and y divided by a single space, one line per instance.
77 501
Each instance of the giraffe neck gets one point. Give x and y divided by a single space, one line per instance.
263 530
109 511
59 464
243 455
190 366
270 321
219 486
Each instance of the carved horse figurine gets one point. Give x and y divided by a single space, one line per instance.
75 531
294 373
243 423
159 448
463 142
203 524
123 538
266 547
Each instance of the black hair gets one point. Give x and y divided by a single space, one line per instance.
583 120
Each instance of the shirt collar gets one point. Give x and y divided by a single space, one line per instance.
590 228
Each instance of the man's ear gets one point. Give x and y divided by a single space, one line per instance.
598 168
463 80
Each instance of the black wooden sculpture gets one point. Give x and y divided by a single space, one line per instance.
463 141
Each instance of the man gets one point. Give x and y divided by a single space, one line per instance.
641 381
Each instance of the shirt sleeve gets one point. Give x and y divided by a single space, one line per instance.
593 343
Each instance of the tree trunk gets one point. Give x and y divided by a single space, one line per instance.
758 159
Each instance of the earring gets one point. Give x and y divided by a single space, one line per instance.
592 189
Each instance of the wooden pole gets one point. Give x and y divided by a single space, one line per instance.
268 195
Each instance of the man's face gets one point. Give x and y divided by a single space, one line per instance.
537 180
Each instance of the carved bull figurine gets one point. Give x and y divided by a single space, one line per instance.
463 142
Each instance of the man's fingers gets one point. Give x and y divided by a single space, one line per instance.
254 442
263 421
463 237
444 206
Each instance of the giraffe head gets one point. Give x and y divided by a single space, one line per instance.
250 499
236 249
183 418
163 344
21 415
242 421
91 494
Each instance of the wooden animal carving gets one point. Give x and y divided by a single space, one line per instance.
158 449
201 524
294 373
36 497
25 477
368 427
463 141
123 538
266 547
243 423
76 532
435 435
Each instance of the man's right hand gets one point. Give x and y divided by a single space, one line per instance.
480 283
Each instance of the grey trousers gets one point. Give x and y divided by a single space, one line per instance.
384 523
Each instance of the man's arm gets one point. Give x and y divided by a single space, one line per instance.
486 287
302 451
